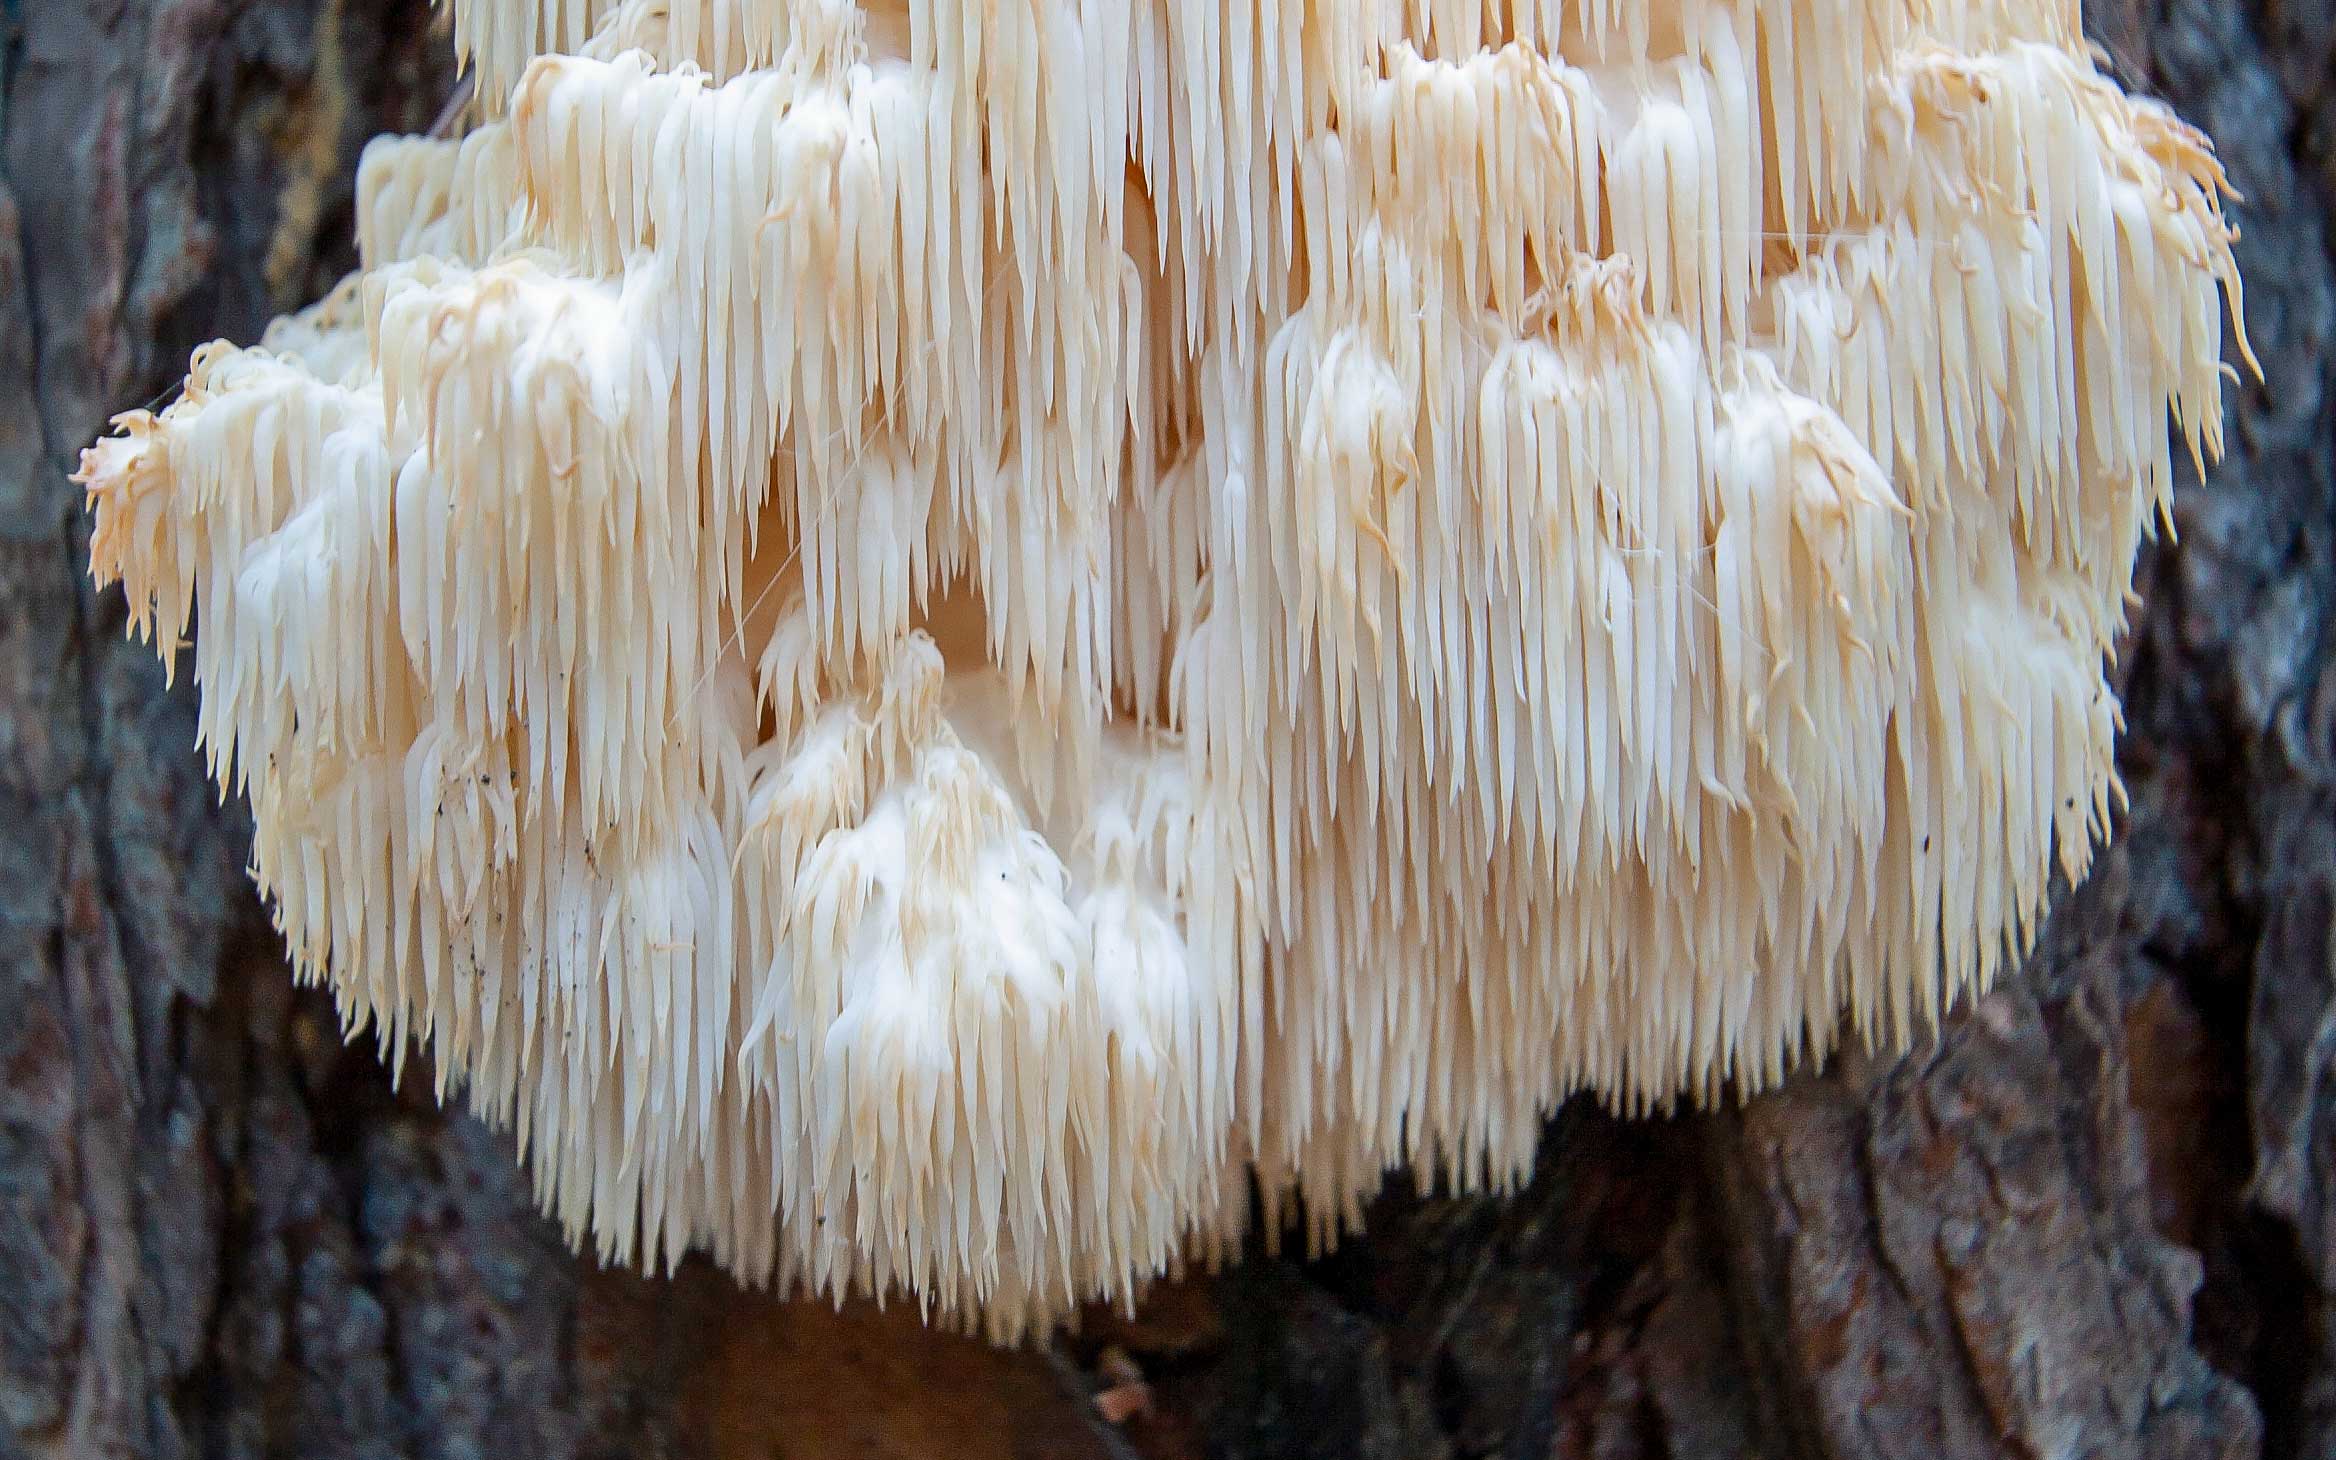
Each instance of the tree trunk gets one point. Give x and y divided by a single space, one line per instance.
2097 1217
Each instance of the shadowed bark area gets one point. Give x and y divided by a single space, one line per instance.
2096 1217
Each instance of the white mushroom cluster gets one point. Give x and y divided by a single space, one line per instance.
940 641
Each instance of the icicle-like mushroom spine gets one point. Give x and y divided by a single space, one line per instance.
916 634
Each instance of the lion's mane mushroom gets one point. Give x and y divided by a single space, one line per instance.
917 634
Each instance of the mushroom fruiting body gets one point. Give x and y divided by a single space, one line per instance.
918 634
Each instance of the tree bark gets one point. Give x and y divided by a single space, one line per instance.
2095 1217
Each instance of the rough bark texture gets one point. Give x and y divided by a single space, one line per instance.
2096 1218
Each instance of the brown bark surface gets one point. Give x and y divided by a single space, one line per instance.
2096 1217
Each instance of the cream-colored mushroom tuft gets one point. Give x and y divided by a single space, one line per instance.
922 635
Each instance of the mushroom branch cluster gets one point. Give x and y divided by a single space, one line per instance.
955 648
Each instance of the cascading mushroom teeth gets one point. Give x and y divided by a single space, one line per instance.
927 640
